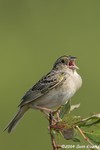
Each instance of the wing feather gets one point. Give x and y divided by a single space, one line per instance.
43 86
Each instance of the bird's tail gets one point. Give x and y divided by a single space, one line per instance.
16 119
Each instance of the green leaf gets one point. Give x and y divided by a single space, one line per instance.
74 107
71 120
92 120
94 136
65 109
53 132
76 139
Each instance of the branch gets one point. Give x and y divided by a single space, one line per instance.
54 145
82 133
61 121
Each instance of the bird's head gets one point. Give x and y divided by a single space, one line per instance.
65 62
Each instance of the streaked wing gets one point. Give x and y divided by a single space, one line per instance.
43 86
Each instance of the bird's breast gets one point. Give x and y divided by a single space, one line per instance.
61 93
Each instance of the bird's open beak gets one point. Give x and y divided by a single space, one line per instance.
71 62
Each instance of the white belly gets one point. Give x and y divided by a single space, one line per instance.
59 95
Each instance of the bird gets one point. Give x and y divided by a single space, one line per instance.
52 90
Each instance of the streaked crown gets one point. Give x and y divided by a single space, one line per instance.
68 61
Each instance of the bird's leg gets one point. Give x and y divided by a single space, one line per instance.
48 111
57 112
58 117
43 109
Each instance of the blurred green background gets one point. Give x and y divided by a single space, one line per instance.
33 34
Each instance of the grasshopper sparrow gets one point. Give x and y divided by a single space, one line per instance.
52 90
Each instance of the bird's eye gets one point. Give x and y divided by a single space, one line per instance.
62 61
